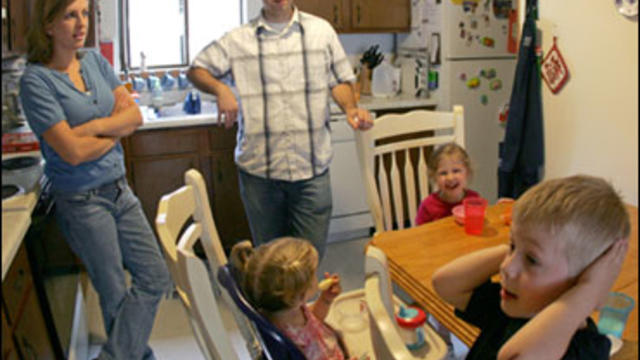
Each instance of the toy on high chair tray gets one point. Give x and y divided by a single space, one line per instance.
411 320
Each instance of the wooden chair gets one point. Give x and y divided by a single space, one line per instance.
393 159
188 208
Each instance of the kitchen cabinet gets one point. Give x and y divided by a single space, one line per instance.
16 15
8 348
15 22
381 15
227 207
334 11
157 159
24 332
370 16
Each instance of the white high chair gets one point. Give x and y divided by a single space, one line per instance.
396 138
194 285
381 340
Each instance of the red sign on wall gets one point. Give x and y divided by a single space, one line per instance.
554 70
106 49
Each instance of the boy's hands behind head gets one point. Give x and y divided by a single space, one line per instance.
603 272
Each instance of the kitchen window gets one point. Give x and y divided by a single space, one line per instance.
170 33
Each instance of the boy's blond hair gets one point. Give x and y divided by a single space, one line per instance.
277 274
584 212
448 149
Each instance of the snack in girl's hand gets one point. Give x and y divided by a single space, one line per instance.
326 284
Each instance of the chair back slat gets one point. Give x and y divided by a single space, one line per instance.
393 139
202 214
410 186
173 211
423 175
396 191
384 193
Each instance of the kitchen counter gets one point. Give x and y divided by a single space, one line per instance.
15 223
368 102
373 103
16 218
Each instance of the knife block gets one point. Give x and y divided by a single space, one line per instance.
365 80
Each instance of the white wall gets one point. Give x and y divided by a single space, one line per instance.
591 125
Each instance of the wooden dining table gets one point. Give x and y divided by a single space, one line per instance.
414 254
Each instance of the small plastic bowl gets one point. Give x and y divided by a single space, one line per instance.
458 214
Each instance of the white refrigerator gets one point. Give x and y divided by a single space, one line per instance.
477 69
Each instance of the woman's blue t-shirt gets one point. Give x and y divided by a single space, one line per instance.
48 96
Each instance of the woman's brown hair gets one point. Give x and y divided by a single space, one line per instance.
39 43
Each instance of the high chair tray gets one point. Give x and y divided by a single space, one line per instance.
357 333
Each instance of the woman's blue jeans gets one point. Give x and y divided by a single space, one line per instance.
107 229
277 208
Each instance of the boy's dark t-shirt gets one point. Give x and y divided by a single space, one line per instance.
496 328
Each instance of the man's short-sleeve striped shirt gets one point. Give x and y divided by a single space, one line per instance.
283 80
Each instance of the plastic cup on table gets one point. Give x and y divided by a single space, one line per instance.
614 313
474 209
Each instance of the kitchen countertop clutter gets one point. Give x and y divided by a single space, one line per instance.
209 115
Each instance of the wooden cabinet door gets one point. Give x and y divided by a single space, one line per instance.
381 15
8 348
331 10
224 196
156 176
15 284
5 27
19 13
31 334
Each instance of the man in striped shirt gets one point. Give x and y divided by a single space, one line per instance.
282 65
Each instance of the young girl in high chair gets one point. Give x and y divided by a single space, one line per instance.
450 168
278 278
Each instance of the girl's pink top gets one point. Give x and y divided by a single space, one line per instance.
433 207
316 340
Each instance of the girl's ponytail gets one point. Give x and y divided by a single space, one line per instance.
240 255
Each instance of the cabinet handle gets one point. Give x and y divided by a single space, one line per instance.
335 14
358 14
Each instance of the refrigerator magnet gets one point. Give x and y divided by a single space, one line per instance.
503 113
484 99
554 70
473 83
495 84
488 73
627 8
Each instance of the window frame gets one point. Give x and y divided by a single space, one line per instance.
124 48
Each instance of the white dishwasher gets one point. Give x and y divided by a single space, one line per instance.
350 217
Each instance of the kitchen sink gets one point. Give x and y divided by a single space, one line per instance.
175 112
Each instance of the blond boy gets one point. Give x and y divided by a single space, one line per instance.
568 241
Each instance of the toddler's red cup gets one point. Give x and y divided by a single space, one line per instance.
474 215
